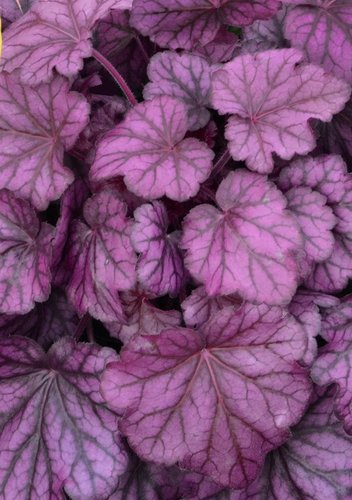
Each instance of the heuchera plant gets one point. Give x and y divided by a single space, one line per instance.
176 250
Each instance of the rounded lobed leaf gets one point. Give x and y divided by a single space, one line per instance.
184 76
55 429
187 24
322 29
246 247
25 256
271 96
54 34
217 400
149 149
37 125
335 360
101 257
160 267
316 461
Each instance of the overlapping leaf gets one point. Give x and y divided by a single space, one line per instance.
271 96
160 268
216 400
54 34
220 49
142 317
315 462
247 246
323 30
56 436
46 323
10 10
101 257
184 76
198 307
337 136
149 149
25 255
335 360
189 23
36 127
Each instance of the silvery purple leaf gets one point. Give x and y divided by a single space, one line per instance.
53 35
101 257
316 462
247 245
160 268
148 148
210 399
322 29
334 362
142 317
25 256
271 96
37 125
10 10
56 436
187 24
46 323
199 307
184 76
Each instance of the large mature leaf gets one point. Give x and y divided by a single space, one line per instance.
53 34
335 360
322 28
189 23
25 254
246 247
46 323
160 268
315 463
56 435
142 317
36 127
216 400
149 149
101 257
185 76
271 96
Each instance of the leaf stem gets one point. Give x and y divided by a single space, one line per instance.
82 325
116 76
221 163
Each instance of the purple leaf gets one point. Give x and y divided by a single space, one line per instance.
322 29
220 49
337 134
184 76
271 96
149 149
327 175
305 307
246 247
56 435
54 34
268 33
160 268
142 317
190 23
315 463
10 10
316 221
335 360
71 206
101 257
36 127
46 323
25 255
211 400
198 308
